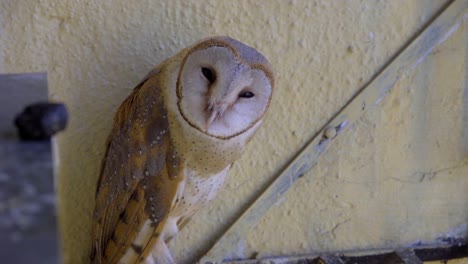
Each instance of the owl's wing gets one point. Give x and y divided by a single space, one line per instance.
137 187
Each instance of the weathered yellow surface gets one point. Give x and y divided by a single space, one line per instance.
397 177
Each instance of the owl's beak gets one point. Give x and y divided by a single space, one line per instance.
214 110
211 118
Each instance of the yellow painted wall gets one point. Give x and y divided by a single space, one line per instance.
368 190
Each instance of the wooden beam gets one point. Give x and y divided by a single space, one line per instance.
408 256
443 250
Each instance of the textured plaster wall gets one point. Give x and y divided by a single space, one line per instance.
372 189
399 176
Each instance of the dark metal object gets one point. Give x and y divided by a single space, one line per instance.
408 256
330 259
28 225
453 252
415 255
387 258
41 120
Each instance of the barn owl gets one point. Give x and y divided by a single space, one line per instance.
172 143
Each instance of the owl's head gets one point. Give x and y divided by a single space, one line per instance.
224 87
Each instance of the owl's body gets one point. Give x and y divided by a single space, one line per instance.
173 141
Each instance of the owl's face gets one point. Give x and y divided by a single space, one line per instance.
224 87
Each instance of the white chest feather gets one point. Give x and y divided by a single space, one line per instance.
197 191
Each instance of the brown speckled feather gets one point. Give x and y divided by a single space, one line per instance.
135 185
173 142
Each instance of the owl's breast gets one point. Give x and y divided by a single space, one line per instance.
197 191
203 155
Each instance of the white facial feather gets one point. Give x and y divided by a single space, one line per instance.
232 77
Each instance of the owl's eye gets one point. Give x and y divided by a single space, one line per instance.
246 94
209 74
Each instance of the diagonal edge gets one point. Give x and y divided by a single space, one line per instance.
415 53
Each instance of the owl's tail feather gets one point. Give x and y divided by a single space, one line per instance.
160 254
